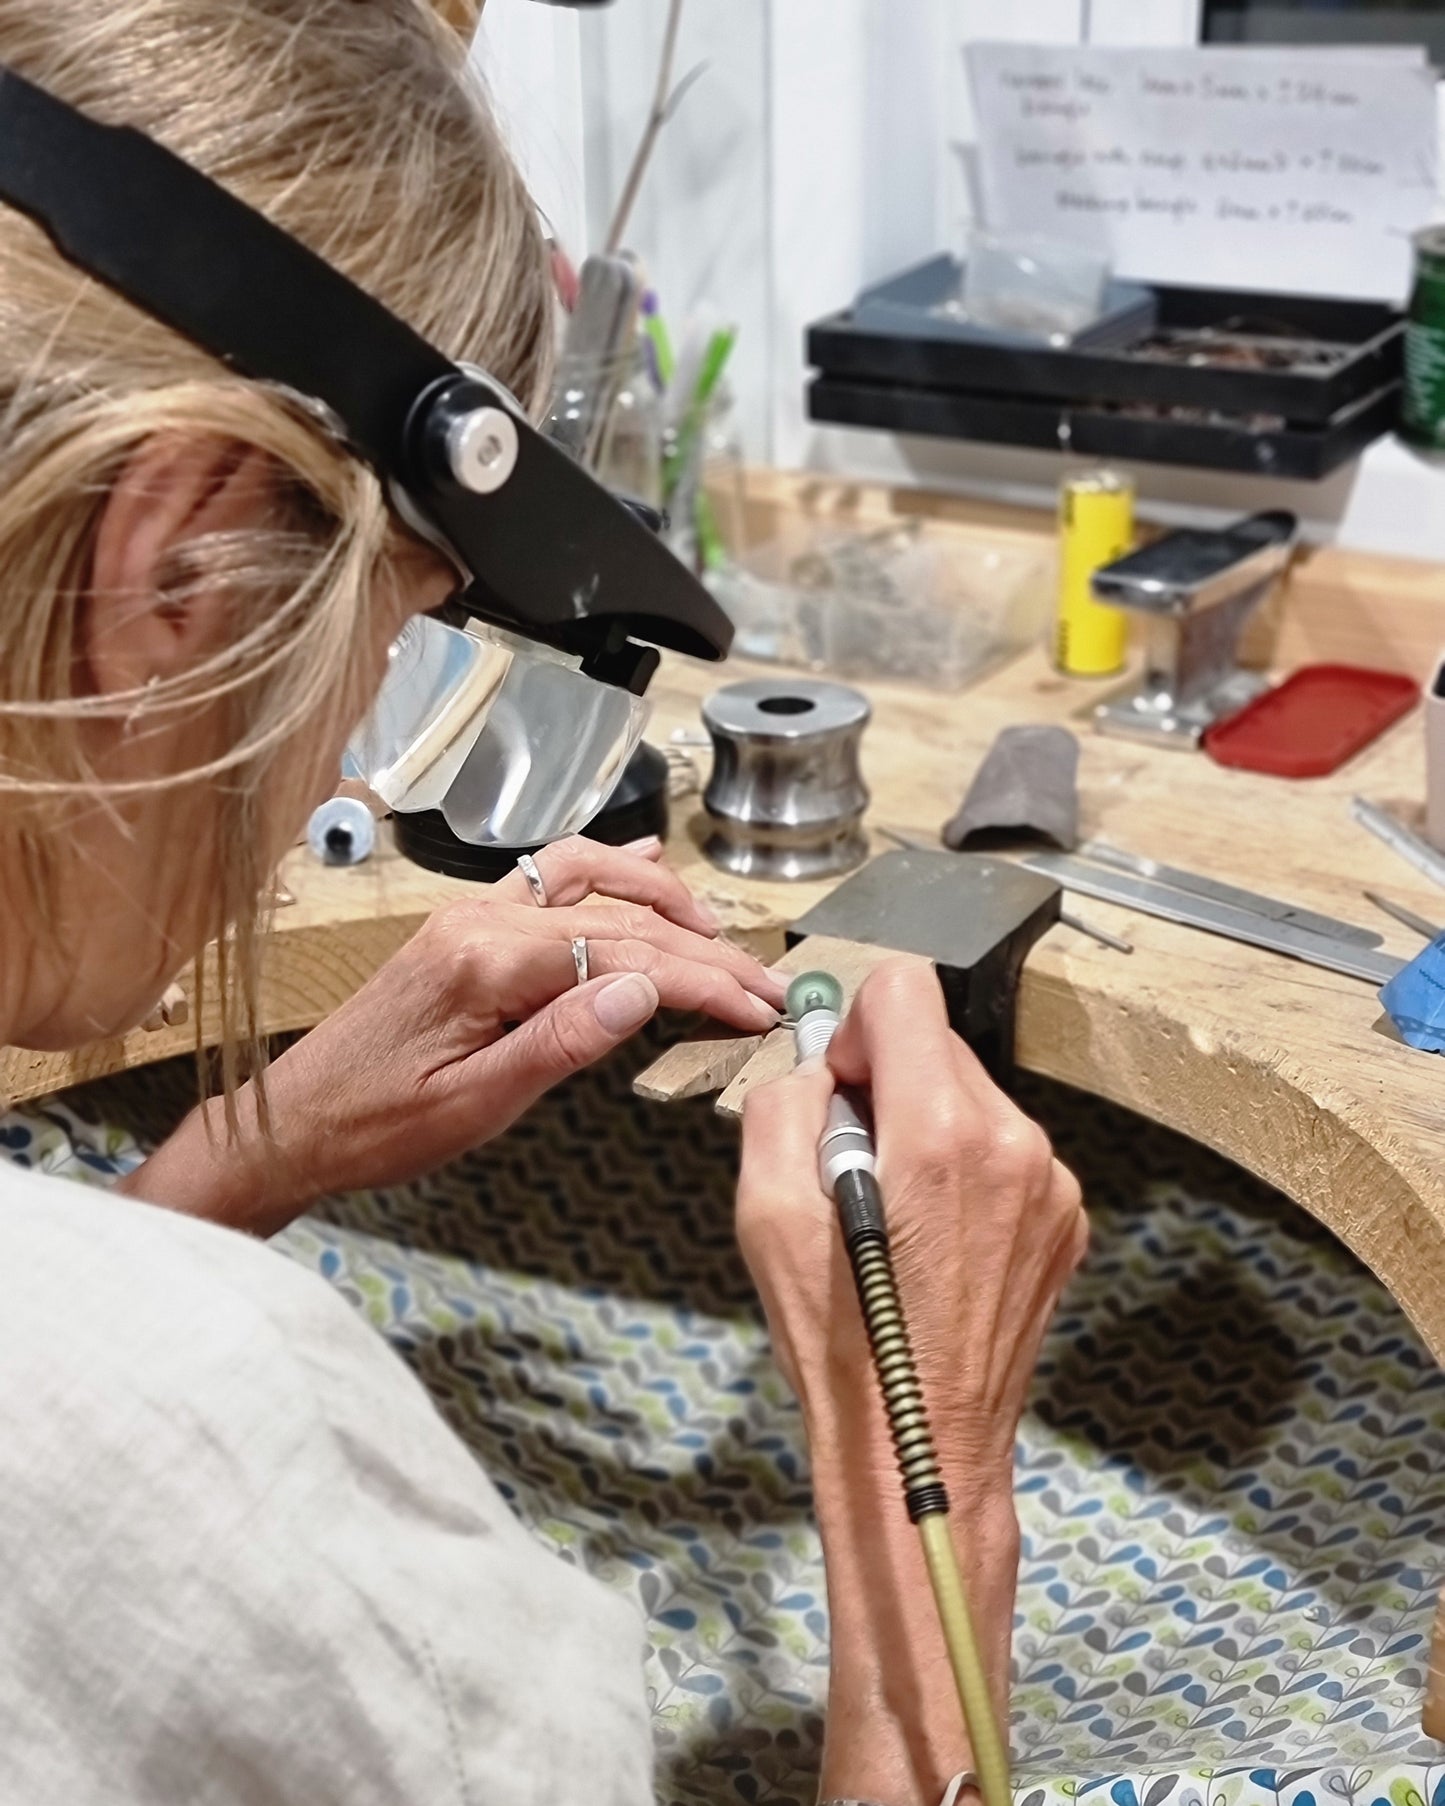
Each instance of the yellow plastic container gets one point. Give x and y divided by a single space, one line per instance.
1096 526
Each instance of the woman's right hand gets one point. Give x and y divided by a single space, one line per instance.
986 1228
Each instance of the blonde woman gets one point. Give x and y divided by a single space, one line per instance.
243 1559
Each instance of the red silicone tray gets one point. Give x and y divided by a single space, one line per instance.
1310 724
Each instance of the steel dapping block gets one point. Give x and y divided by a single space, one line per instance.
974 916
786 796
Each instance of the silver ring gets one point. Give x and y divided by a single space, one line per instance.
527 866
579 959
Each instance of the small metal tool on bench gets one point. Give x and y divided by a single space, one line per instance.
1194 590
1421 925
1197 901
1400 839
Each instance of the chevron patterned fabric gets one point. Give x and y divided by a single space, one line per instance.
1231 1480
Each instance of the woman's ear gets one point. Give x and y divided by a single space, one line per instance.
462 15
134 627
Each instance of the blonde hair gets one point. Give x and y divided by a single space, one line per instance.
355 125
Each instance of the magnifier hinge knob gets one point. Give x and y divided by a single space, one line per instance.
482 449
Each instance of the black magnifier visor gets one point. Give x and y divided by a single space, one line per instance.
546 551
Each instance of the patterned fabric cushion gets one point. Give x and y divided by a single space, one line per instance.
1231 1480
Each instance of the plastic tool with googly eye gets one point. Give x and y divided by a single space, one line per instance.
341 831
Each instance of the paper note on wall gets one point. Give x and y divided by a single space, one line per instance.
1299 171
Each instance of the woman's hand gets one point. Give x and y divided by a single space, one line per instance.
418 1066
986 1228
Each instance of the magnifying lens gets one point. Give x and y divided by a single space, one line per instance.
508 738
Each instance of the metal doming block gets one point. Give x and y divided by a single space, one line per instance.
786 796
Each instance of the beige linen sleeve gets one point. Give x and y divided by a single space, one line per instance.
246 1564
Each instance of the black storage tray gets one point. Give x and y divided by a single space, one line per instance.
842 350
1285 450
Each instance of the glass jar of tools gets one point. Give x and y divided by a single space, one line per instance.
630 461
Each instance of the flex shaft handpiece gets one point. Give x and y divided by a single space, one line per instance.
847 1172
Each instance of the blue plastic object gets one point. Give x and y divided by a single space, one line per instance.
1415 999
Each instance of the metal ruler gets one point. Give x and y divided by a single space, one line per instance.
1253 925
1218 892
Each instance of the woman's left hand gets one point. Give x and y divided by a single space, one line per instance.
418 1066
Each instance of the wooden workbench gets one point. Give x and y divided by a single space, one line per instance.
1286 1069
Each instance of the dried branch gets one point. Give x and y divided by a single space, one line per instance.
663 100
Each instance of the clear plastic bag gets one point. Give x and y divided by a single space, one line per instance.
1021 282
887 604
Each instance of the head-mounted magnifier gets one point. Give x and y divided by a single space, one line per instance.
516 712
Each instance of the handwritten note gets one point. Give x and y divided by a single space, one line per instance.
1300 171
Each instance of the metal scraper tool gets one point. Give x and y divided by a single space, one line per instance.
1400 839
1336 951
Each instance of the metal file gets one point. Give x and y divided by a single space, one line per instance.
1155 897
1218 892
1400 839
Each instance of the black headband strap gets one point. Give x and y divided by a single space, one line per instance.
184 249
549 551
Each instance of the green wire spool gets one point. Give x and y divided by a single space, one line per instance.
813 991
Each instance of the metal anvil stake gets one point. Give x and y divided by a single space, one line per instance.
1194 591
973 917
